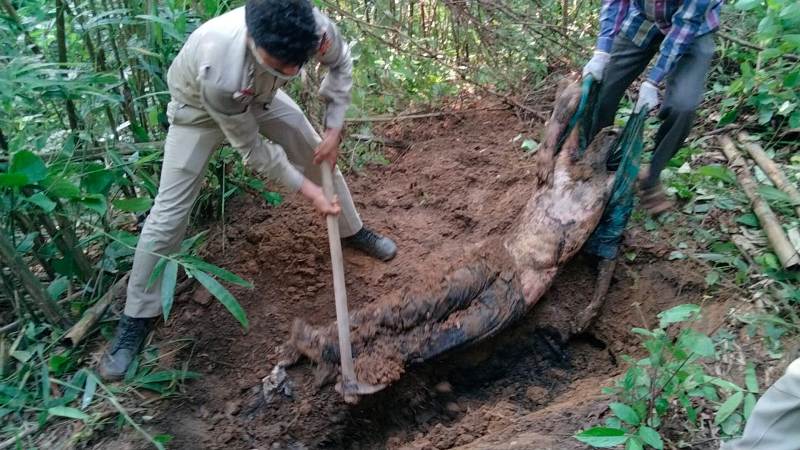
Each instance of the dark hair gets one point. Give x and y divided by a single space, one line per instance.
286 29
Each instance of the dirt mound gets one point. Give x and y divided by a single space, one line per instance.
461 180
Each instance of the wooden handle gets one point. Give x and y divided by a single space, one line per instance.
339 289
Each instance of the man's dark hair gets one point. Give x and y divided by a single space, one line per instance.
286 29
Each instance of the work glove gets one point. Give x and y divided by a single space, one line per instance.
597 65
648 97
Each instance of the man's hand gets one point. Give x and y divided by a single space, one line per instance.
314 193
597 65
328 149
648 97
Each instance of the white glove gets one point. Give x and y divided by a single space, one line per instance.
596 66
648 97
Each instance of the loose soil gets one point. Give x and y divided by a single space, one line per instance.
460 179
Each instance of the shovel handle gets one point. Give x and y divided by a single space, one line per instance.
339 289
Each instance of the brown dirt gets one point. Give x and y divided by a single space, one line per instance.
461 180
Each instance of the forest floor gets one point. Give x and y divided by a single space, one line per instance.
456 179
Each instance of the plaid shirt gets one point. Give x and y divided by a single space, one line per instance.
679 21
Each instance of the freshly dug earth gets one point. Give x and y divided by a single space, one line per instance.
462 179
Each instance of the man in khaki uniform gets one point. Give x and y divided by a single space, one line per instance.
225 85
774 423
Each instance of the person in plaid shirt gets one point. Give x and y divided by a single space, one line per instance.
681 34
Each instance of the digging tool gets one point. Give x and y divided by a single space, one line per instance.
350 388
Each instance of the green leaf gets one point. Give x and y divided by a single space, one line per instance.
225 297
88 392
193 242
21 355
750 379
27 243
94 202
529 145
13 179
696 342
728 407
157 271
42 201
59 364
193 262
61 187
272 198
29 164
728 117
773 194
792 80
634 443
138 204
749 219
651 437
97 180
603 437
58 287
794 119
732 425
723 384
747 5
163 438
712 277
168 287
749 404
164 376
625 413
72 413
677 314
717 172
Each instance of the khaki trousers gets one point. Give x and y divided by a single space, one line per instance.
192 138
774 423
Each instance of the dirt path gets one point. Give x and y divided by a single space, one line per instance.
461 180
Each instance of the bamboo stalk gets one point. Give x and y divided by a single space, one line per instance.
772 170
50 309
38 243
61 42
775 235
90 317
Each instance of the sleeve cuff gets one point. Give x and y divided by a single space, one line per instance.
656 76
334 116
604 44
292 178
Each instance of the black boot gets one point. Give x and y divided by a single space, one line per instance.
131 332
372 243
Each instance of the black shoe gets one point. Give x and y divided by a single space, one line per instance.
372 243
131 332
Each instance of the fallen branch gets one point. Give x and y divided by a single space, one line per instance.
750 45
93 314
775 235
771 169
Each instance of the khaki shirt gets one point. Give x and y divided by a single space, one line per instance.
215 71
